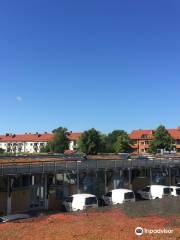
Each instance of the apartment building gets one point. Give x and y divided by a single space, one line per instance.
32 143
142 138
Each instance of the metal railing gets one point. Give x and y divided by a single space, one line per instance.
56 166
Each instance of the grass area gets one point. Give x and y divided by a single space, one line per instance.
162 207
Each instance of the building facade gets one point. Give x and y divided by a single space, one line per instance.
29 183
142 138
32 143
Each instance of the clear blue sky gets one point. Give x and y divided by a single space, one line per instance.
82 64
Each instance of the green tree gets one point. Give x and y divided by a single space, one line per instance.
59 143
92 142
161 140
122 145
1 150
118 141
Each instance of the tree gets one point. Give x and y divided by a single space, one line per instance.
1 150
161 140
91 142
59 143
118 141
122 145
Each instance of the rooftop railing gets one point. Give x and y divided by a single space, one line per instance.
80 164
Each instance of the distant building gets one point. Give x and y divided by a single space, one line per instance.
142 138
32 143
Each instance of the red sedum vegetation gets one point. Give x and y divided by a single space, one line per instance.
108 225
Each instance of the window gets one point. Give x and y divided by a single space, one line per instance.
178 191
91 200
22 181
69 199
129 195
109 194
142 150
144 136
167 191
142 143
146 189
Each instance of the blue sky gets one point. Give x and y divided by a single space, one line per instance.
82 64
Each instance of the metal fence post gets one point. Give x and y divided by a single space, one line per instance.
9 195
45 192
105 181
2 169
77 174
54 167
130 178
150 175
170 180
29 168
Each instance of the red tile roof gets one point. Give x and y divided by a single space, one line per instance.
73 136
141 134
175 133
148 134
44 137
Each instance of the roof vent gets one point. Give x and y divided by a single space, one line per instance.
45 132
7 134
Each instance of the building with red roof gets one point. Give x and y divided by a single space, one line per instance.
142 138
32 143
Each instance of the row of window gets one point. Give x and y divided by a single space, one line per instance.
146 142
145 150
21 144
